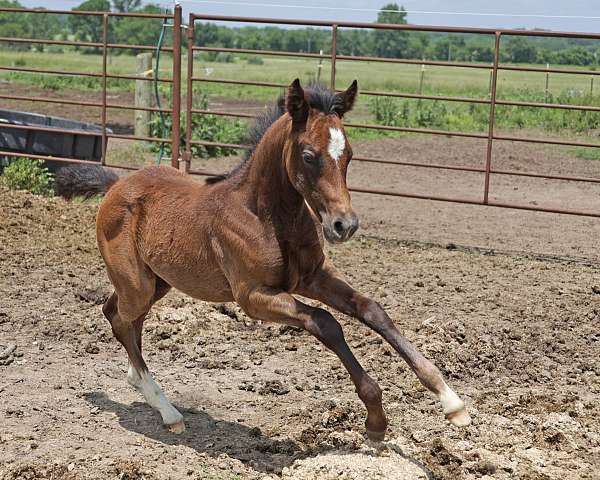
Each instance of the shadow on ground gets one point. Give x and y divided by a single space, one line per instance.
206 434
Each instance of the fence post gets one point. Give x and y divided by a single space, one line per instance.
187 156
104 73
591 85
320 66
490 142
143 95
547 83
421 78
176 103
333 54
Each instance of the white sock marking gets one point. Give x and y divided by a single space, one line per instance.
454 408
133 377
450 401
337 143
153 394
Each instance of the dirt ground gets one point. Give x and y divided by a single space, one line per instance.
518 337
506 302
119 120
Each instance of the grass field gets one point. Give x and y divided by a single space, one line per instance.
371 75
374 76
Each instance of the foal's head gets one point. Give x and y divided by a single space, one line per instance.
317 155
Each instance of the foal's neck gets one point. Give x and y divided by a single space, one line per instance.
269 188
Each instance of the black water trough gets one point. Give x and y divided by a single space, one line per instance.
56 144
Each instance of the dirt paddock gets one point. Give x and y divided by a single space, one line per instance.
517 336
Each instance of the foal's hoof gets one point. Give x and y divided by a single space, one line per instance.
177 427
459 418
375 436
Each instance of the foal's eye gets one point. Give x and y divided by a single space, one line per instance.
308 157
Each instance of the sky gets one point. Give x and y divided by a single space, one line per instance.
505 14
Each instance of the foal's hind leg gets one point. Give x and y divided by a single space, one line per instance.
110 312
160 290
135 292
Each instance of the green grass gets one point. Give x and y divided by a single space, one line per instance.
587 153
387 77
73 61
373 76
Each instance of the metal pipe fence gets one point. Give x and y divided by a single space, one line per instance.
183 158
487 168
104 105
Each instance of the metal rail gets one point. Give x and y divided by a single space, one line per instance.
487 169
468 201
84 74
103 76
71 43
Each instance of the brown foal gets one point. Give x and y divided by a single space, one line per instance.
254 236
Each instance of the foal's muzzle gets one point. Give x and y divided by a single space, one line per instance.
339 228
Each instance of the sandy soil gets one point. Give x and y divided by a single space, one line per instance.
513 323
516 336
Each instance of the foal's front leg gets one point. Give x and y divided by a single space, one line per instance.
277 306
330 289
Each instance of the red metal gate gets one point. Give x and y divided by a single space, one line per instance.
103 76
486 168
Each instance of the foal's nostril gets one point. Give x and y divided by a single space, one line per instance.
338 226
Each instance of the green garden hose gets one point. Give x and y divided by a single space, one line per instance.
163 128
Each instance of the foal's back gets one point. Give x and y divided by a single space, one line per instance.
156 222
151 184
149 200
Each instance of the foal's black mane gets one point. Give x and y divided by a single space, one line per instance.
319 98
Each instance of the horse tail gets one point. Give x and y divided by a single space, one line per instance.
83 181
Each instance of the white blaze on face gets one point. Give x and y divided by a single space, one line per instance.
337 143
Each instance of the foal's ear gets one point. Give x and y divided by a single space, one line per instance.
344 101
296 105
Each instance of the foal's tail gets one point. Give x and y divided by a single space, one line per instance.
83 181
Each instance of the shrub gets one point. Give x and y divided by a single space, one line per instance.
386 110
224 57
475 117
255 61
219 57
407 113
207 127
28 174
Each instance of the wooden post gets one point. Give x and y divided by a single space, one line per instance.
421 78
143 94
591 86
547 82
320 66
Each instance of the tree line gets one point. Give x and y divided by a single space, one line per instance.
128 30
380 43
402 44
